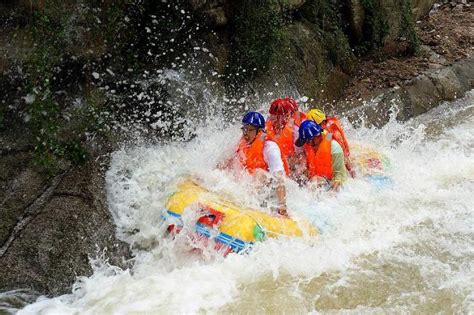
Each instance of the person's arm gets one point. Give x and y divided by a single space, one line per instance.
336 135
338 166
339 171
281 194
341 140
272 156
348 164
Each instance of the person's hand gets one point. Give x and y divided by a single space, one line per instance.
225 164
335 186
319 182
352 173
282 210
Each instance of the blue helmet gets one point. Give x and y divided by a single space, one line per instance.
254 119
308 130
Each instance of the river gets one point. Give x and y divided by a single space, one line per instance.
403 248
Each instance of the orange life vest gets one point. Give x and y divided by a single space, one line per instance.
334 126
299 117
251 156
319 161
284 139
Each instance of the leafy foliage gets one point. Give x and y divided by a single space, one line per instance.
375 28
326 16
407 28
259 35
2 117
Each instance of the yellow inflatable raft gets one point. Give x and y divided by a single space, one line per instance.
228 225
372 165
368 161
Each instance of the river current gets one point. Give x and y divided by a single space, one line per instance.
407 247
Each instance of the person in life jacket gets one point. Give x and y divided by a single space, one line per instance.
297 116
332 125
324 155
281 128
258 152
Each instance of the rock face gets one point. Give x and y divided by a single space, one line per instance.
366 17
51 225
364 14
421 7
328 45
218 12
303 66
419 95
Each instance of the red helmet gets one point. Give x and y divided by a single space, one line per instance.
280 106
293 104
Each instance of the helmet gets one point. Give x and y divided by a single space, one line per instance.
254 119
293 104
280 106
308 130
317 115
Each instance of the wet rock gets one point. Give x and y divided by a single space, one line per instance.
375 112
388 11
53 225
18 191
217 16
211 12
357 19
291 4
417 96
302 66
421 8
217 13
464 71
447 84
433 57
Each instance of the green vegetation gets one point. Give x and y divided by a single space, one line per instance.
327 18
407 28
46 124
325 15
375 28
56 39
339 50
44 112
2 117
259 36
70 41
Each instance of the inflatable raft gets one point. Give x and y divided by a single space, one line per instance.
230 227
371 164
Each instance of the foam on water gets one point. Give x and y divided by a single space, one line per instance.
406 248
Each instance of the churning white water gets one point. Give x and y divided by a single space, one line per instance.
408 247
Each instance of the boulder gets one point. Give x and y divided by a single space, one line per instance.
356 21
447 84
217 13
416 96
464 71
419 96
52 224
302 65
420 8
212 13
388 13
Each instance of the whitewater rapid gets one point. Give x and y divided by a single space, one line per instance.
406 248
